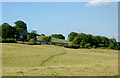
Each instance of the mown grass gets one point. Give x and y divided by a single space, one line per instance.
20 59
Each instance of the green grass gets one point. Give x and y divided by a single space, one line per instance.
55 40
26 60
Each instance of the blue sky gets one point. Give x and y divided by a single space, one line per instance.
64 17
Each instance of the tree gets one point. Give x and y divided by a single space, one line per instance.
7 31
42 34
80 37
87 45
71 36
111 46
32 35
21 24
59 36
21 29
82 43
105 41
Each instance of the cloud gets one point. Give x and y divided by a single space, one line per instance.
98 2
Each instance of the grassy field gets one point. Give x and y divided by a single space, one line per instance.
50 60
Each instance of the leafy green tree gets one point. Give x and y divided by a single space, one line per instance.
42 34
82 43
105 41
32 35
21 30
59 36
118 46
71 36
97 40
7 31
87 45
80 37
32 40
111 46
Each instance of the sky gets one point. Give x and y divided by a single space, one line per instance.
96 18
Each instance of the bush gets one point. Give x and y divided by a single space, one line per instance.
101 45
32 40
111 46
72 46
117 47
9 40
94 46
82 43
87 45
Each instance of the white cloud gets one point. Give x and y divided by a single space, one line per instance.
98 2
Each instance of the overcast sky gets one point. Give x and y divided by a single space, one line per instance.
96 18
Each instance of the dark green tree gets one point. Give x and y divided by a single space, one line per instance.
59 36
7 31
32 35
71 36
21 30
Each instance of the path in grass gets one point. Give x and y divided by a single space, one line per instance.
51 58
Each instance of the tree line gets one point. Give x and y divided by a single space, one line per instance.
88 40
19 33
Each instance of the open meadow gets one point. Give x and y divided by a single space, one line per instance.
50 60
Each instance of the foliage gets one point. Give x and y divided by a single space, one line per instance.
7 31
88 45
9 40
94 46
83 40
82 43
21 30
32 40
59 36
72 46
111 46
71 36
32 35
42 34
47 38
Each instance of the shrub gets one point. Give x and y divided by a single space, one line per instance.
101 45
111 46
117 47
82 43
94 46
87 45
9 40
72 46
32 40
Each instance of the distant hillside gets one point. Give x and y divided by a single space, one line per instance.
55 40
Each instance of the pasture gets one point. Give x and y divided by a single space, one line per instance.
50 60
